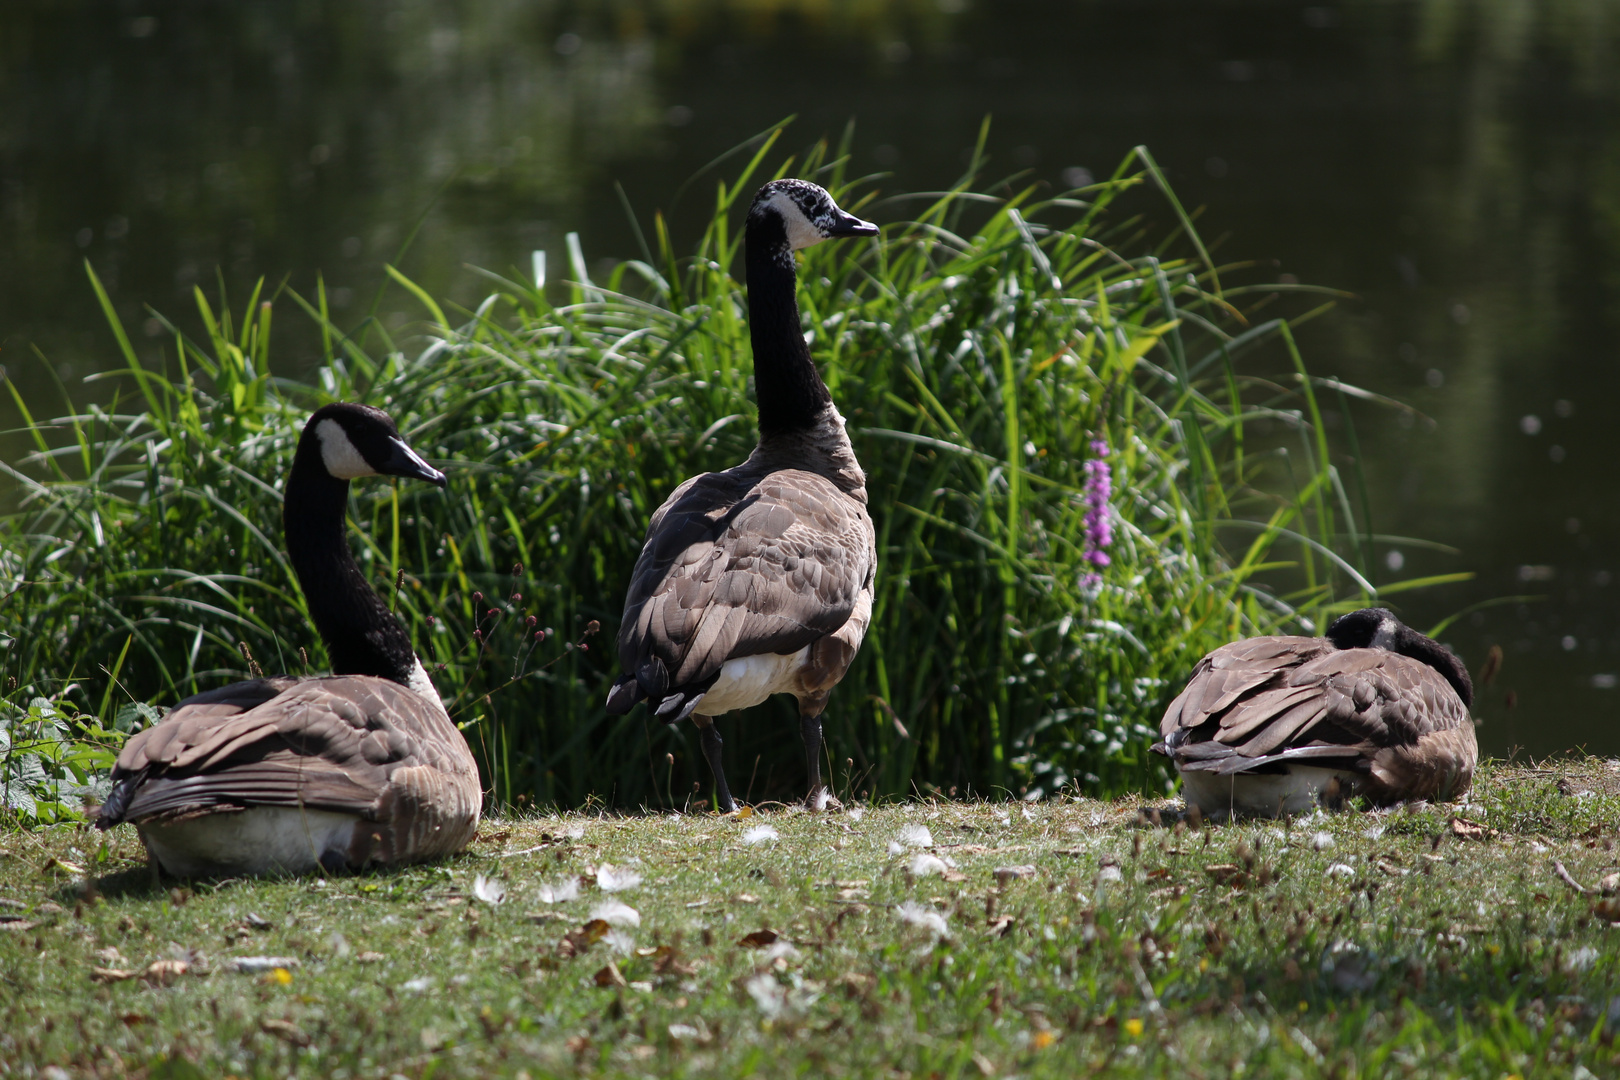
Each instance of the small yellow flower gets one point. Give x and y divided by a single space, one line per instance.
1304 1006
1041 1039
279 977
1203 964
1133 1027
1493 948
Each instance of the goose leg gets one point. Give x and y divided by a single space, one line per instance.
710 738
819 797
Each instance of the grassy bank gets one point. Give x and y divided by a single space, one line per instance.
984 350
940 939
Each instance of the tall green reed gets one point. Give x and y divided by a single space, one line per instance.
977 349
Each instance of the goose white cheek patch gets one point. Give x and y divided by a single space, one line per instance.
800 232
339 455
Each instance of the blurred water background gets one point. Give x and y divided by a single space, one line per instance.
1454 163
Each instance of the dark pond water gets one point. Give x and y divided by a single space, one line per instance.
1455 164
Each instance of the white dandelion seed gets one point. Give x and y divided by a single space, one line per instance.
760 834
923 864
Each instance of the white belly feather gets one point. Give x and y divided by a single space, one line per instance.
260 840
1301 788
749 680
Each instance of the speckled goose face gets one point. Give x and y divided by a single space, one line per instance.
808 213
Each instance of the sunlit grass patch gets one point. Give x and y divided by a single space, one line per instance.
1069 937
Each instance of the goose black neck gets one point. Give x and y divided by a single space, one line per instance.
362 636
791 395
1409 642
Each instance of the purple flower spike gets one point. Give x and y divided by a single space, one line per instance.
1099 487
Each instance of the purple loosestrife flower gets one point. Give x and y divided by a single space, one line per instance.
1099 529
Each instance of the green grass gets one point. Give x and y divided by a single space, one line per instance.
1226 952
976 349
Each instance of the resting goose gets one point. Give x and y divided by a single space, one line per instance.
758 580
1274 725
283 775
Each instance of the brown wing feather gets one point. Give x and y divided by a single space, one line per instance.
1269 700
739 563
334 743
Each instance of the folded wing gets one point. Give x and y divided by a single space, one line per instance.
1258 704
738 565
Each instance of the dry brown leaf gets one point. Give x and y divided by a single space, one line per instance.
17 923
759 939
164 972
745 898
110 975
1608 909
1000 927
610 976
1610 884
1225 873
1464 829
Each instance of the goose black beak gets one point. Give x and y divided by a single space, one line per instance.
403 461
850 225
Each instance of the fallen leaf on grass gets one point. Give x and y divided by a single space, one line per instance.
1464 829
1004 874
53 863
371 958
16 923
1225 873
758 939
1000 927
610 976
745 898
164 972
578 940
111 975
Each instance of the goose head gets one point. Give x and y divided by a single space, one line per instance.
357 440
1378 628
804 215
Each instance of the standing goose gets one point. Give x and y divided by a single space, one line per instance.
758 580
1273 725
283 775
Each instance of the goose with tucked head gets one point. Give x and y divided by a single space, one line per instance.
1275 725
758 580
285 775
